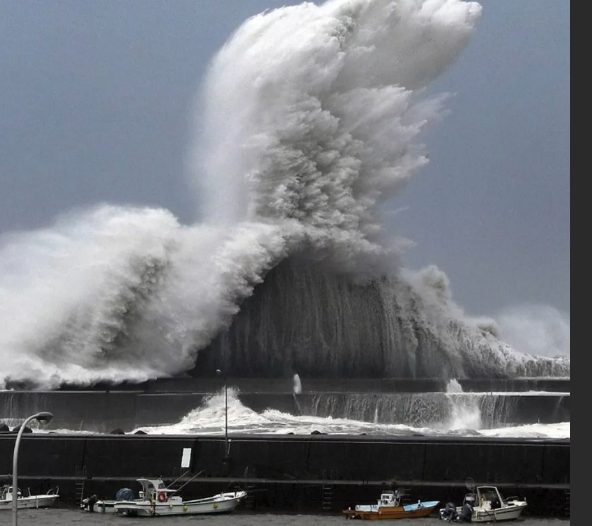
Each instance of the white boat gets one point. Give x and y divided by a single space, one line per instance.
27 501
485 504
95 505
156 500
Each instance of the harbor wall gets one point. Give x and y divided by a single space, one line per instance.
105 411
350 385
313 473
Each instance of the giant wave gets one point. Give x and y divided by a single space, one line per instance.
311 125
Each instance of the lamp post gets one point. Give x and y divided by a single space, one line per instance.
40 417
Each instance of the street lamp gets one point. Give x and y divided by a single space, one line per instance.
40 417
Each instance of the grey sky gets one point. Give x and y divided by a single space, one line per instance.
95 106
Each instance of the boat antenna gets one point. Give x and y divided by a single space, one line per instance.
180 488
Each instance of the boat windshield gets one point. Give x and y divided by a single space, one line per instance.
489 494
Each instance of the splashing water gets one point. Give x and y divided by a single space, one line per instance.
209 420
297 385
465 412
313 118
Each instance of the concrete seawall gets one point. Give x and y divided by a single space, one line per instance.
304 473
104 411
324 385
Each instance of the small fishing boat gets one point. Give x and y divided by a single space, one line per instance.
27 501
95 505
484 504
157 500
389 507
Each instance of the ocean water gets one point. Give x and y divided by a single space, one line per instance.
66 517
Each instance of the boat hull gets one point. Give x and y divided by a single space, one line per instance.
33 502
378 513
102 506
210 506
163 510
509 513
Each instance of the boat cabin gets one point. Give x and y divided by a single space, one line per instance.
6 493
155 489
389 499
150 488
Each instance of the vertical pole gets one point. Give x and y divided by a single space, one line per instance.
41 417
226 441
14 473
226 413
14 470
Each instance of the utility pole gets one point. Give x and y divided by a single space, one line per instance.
226 441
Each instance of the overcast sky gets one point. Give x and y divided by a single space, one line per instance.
96 100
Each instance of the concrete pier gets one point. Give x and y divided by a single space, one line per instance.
290 473
299 473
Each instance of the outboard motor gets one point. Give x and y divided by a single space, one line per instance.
88 504
449 512
466 513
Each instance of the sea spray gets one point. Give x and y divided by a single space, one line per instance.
313 117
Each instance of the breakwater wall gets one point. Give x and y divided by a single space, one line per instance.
297 473
105 411
333 385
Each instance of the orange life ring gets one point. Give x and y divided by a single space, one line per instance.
162 497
